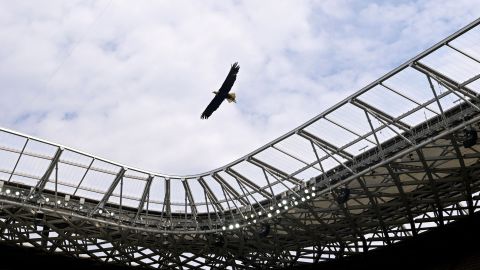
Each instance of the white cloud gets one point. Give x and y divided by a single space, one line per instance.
133 79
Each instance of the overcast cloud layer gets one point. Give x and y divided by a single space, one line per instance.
128 80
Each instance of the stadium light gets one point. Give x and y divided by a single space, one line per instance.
264 230
469 137
343 195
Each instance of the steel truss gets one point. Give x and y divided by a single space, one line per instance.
405 172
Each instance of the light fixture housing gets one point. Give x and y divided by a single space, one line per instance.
469 137
343 195
264 230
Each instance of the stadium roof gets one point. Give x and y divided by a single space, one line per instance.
393 145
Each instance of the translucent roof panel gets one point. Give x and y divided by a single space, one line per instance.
157 189
350 117
251 171
7 162
420 116
412 84
475 86
41 148
68 174
131 188
387 101
30 165
12 141
468 43
278 159
331 133
177 195
453 64
197 190
297 147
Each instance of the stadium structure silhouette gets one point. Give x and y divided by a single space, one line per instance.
394 163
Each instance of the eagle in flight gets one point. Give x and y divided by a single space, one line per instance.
223 92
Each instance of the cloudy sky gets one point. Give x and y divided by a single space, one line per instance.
128 80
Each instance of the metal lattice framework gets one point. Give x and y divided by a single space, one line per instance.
385 164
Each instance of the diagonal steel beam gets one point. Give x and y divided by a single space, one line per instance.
146 191
373 202
380 114
466 177
282 174
249 183
211 195
433 185
166 208
229 188
322 143
448 82
191 201
404 198
110 190
43 181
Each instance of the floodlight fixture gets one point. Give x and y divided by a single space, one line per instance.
264 230
219 240
343 195
469 137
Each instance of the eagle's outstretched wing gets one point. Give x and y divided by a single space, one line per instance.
230 80
223 91
214 104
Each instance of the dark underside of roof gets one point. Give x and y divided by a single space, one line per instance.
454 246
